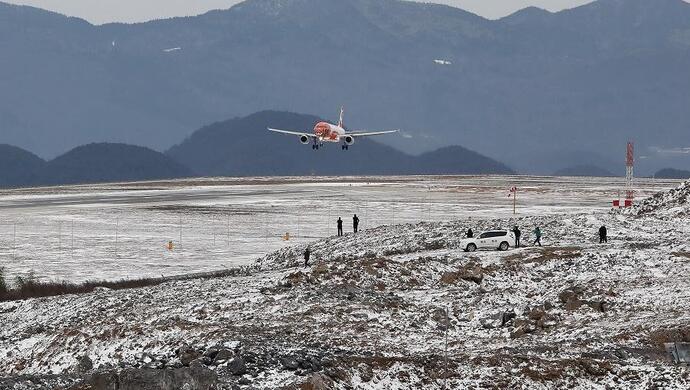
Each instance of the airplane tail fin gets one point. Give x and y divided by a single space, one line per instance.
341 123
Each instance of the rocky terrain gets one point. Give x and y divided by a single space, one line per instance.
396 307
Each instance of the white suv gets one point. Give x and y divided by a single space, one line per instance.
494 239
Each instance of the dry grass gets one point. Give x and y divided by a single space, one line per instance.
681 254
30 287
544 254
674 335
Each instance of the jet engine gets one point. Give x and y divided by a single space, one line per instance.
349 140
304 139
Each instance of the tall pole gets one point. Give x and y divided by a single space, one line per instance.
60 238
14 241
515 201
629 174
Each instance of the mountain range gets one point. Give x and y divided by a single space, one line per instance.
93 163
541 91
237 147
243 147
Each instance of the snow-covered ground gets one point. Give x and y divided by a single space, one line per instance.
118 231
398 306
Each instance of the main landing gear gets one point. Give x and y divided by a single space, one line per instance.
346 147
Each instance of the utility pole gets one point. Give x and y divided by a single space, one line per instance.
513 193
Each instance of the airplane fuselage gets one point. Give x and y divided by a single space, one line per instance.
327 132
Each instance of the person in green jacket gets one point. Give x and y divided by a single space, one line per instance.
537 234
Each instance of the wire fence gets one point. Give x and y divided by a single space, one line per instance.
116 243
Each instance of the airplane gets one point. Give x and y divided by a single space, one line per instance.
327 132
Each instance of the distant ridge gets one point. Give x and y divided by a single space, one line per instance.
671 173
584 170
244 147
93 163
18 167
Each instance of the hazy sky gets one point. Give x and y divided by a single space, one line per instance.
103 11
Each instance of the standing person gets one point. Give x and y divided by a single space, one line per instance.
340 227
355 223
602 235
307 255
517 233
470 233
537 234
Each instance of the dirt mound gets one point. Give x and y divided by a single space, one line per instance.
673 203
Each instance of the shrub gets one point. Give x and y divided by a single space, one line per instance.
3 284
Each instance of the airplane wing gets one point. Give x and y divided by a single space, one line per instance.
292 132
371 133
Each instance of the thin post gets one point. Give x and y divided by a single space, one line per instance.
117 228
445 373
14 241
515 201
60 237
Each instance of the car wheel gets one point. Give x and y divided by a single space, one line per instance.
471 248
504 246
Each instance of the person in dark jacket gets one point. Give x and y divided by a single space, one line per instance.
355 223
537 234
603 235
517 233
470 233
340 226
307 255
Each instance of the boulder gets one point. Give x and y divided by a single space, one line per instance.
223 356
289 363
188 355
237 366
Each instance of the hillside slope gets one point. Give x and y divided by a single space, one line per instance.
374 310
244 147
18 167
105 162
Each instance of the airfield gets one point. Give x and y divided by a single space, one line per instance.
121 231
399 305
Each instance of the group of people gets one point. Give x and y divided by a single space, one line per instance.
517 233
603 235
355 229
355 225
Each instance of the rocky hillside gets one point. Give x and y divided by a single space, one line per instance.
392 307
669 205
